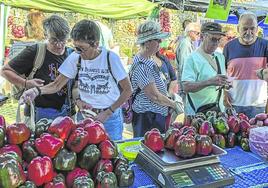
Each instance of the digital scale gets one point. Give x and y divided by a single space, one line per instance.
170 171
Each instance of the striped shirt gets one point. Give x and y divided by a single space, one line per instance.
143 72
242 63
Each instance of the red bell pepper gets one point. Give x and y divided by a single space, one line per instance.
9 147
77 140
62 127
96 133
17 133
84 122
48 145
2 122
40 170
154 140
77 172
108 149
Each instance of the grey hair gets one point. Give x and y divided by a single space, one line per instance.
57 26
248 14
192 27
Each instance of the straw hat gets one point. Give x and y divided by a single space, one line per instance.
150 30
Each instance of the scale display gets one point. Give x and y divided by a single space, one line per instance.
204 175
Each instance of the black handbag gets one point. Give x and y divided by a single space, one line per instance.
210 106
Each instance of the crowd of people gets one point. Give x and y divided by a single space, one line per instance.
215 70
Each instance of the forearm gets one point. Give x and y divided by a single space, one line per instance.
172 87
13 78
161 99
54 86
195 86
123 98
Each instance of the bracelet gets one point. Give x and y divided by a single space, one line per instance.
110 108
39 90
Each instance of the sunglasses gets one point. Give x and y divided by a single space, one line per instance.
230 38
80 50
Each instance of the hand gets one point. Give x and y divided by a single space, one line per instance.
262 74
34 83
29 95
82 105
227 100
219 80
103 116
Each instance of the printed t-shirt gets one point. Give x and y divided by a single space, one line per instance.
23 64
96 84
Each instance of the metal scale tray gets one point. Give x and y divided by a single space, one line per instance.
167 160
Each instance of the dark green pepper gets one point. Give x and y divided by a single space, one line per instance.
9 155
28 150
90 153
42 126
2 136
11 173
65 160
106 179
83 182
125 175
245 144
28 184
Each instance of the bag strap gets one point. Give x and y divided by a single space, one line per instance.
39 59
32 117
220 90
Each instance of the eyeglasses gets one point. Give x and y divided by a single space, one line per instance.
214 39
56 41
80 50
196 32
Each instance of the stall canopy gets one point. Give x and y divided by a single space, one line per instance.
114 9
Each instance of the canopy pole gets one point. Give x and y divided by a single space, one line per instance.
3 30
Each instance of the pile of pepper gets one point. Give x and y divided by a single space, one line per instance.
61 154
195 136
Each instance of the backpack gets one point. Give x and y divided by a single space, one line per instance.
127 106
38 62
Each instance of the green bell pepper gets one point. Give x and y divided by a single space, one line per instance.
42 126
89 157
11 173
83 182
28 184
65 160
2 136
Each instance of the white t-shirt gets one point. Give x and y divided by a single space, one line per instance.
96 84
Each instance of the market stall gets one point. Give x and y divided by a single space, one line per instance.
208 150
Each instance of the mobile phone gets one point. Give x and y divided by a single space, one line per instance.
3 98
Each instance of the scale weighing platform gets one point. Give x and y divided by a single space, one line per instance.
170 171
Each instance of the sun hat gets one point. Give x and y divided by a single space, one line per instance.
212 28
150 30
